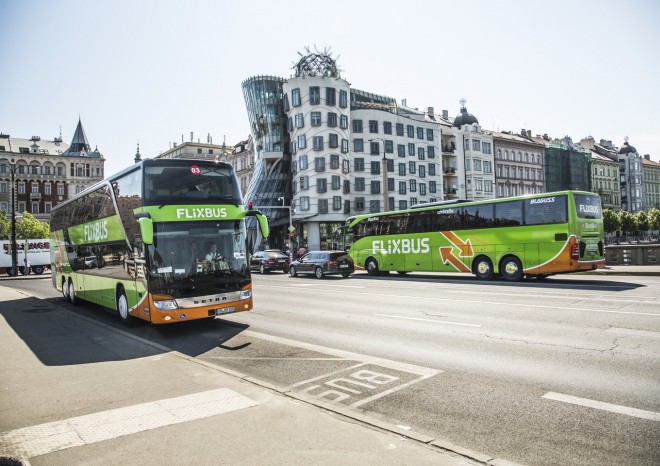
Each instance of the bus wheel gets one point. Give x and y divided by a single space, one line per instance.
72 294
318 271
38 270
511 269
483 268
65 290
122 308
371 266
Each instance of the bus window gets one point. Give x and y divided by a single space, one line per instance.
477 216
546 210
587 206
508 213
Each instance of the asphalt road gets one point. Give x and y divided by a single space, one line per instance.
561 371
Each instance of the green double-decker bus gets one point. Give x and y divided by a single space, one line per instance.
139 242
535 235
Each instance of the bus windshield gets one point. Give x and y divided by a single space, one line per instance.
587 206
190 184
192 258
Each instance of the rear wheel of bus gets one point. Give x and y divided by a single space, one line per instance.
65 289
71 293
37 270
482 267
511 269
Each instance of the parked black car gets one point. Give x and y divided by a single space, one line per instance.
270 259
321 263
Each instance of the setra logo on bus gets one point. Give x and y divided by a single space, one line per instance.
402 246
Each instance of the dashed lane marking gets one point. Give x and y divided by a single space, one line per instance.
82 430
612 408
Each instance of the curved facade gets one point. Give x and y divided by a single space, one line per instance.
270 184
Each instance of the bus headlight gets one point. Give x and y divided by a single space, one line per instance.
168 305
246 294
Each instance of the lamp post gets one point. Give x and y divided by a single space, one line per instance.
386 190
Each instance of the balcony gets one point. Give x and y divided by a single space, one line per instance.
449 171
35 196
448 149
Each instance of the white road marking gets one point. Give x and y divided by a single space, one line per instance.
618 409
630 331
82 430
428 320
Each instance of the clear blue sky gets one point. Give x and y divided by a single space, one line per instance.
150 71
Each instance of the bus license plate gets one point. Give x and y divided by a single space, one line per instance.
225 310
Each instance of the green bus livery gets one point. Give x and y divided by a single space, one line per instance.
534 235
137 242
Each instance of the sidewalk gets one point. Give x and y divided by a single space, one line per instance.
78 391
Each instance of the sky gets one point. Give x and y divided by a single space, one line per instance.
150 72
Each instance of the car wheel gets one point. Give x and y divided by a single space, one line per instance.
372 266
483 268
318 271
72 293
292 271
511 269
346 275
262 269
38 270
122 308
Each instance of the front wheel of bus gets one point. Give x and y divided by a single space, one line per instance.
65 290
71 293
511 269
483 268
122 308
371 266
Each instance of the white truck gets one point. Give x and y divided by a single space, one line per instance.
32 255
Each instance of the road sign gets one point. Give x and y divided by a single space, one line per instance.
291 229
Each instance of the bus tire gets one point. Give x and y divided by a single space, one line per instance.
122 308
318 271
482 268
72 293
511 269
372 266
65 290
38 270
292 271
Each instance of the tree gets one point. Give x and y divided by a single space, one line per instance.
5 226
611 221
628 222
642 221
654 219
31 228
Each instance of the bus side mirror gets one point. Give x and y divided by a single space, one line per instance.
263 221
146 230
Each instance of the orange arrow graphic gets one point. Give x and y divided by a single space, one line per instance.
465 247
448 256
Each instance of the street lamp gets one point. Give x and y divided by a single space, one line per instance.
12 171
386 190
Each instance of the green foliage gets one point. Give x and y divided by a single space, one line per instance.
642 221
654 219
5 226
611 222
628 221
31 228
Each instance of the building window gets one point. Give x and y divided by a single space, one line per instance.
485 147
358 145
401 150
357 126
429 134
343 122
295 97
336 202
374 148
304 182
347 187
332 119
389 147
343 99
399 129
403 205
35 207
413 185
345 166
387 127
319 164
432 187
48 207
422 171
411 149
402 187
411 131
420 133
316 118
402 169
334 161
21 188
359 204
333 140
373 126
420 153
488 167
318 142
303 162
336 182
60 190
374 206
375 168
344 146
21 207
431 169
375 186
430 150
359 184
358 164
47 189
302 141
422 189
289 124
476 165
304 202
412 167
330 96
35 188
300 120
476 145
321 185
314 95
